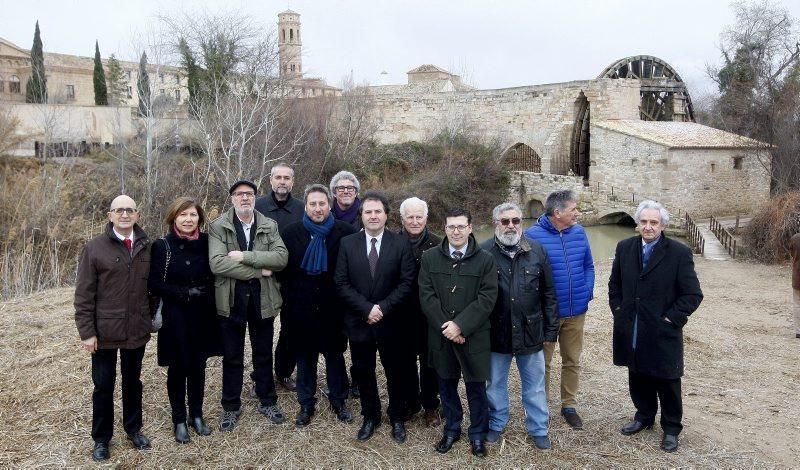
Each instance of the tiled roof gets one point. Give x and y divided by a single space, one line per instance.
428 68
679 134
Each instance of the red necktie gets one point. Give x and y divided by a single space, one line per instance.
129 244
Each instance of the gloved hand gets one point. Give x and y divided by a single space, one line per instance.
196 292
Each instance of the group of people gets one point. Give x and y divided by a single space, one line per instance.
434 310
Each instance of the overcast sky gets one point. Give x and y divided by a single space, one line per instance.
495 44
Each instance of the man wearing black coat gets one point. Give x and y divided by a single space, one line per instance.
374 274
652 291
280 206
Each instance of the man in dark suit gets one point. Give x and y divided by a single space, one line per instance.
312 312
280 206
374 274
652 291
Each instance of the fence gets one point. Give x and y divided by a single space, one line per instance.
724 235
696 240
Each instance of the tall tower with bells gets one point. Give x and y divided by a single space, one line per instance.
289 45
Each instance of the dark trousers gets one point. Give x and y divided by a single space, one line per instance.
335 373
233 334
454 412
183 381
647 392
424 382
104 375
285 361
364 363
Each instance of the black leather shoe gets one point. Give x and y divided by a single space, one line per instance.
478 448
633 427
182 434
304 416
399 432
669 443
199 426
446 443
343 414
367 429
139 440
100 451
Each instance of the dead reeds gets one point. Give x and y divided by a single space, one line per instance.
767 236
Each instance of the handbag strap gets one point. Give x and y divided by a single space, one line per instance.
169 255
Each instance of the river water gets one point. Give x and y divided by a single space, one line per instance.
602 238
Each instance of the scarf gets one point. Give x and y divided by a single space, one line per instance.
193 236
347 215
315 260
417 243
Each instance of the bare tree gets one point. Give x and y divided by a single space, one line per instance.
10 136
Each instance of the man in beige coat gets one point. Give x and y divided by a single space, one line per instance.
245 249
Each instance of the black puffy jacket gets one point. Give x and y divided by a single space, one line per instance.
526 312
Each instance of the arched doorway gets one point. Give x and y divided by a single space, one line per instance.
535 208
616 218
579 145
521 157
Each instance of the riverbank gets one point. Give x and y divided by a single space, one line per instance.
739 397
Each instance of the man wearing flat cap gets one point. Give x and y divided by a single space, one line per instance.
245 249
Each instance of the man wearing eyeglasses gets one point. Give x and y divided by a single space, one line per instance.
112 313
457 292
245 249
524 318
346 205
570 256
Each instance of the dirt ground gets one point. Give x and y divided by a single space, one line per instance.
742 380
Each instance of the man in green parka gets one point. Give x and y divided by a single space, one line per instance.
457 292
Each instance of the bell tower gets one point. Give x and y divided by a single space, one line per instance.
289 45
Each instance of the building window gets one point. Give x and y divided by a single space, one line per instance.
70 92
291 35
177 79
130 92
178 96
713 167
128 75
13 85
162 92
283 35
2 84
292 67
737 163
161 77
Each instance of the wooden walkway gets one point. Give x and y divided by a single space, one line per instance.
713 249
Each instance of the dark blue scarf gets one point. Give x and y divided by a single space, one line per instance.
315 260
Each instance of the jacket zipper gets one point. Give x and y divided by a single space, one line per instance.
569 270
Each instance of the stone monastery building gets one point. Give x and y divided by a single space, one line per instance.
623 136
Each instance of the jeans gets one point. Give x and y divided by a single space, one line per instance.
796 296
570 344
534 398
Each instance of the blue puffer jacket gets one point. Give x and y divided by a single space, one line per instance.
572 264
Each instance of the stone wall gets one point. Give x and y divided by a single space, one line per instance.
540 116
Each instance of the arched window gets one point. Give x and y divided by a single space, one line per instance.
13 86
298 35
521 157
291 34
292 67
283 35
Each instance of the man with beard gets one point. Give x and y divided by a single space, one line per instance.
524 318
457 292
422 385
374 273
244 250
312 312
280 206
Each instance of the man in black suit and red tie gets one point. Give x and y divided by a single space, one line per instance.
374 276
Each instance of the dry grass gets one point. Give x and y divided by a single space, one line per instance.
767 235
45 401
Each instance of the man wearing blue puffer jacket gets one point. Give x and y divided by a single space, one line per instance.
573 271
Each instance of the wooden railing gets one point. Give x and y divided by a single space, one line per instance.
696 240
724 235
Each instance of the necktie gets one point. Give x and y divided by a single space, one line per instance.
373 257
646 250
457 255
129 245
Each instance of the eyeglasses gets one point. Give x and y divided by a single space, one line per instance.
344 189
455 228
244 194
512 221
124 210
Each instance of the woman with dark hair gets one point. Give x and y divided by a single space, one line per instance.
180 275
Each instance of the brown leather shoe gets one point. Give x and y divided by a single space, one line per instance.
432 419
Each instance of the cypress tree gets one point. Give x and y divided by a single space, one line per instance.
100 90
143 87
115 83
192 74
36 87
